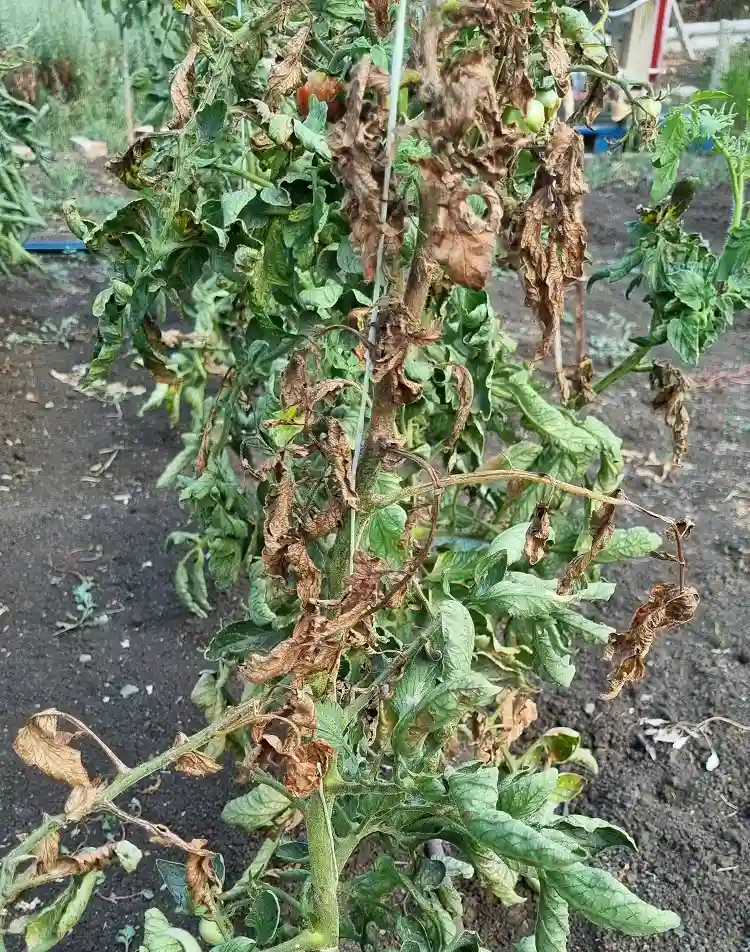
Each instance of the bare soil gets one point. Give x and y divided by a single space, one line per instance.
692 825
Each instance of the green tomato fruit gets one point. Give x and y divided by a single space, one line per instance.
210 932
534 117
652 107
549 99
511 116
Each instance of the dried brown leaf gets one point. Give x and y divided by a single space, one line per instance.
462 242
324 522
306 767
288 75
667 607
583 380
40 744
277 528
672 389
602 527
181 89
549 237
516 713
47 852
309 579
194 763
200 876
358 146
558 60
398 332
465 391
82 800
337 450
537 535
378 10
295 382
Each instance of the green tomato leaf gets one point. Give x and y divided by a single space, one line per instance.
77 905
593 834
385 530
256 809
513 839
552 920
280 128
311 139
683 333
626 544
155 933
224 560
211 118
239 943
332 722
41 928
604 900
276 195
473 789
321 297
438 713
524 796
232 204
496 875
456 638
239 639
264 916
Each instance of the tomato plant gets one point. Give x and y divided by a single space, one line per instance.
343 371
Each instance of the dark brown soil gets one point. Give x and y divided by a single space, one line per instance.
692 825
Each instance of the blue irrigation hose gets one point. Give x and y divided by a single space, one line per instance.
55 246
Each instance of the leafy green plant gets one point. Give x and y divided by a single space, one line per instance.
18 211
343 368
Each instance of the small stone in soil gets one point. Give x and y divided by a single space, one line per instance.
128 690
85 659
589 708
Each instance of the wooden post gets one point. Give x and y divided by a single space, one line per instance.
721 60
127 91
682 32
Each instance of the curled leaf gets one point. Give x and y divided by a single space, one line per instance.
81 800
462 241
667 607
465 390
602 530
40 744
194 763
549 237
200 875
537 535
288 75
181 89
47 851
672 388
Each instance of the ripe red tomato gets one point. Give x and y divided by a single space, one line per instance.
325 88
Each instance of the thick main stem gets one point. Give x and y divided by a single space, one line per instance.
625 367
324 874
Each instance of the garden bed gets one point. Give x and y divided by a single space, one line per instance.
691 824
